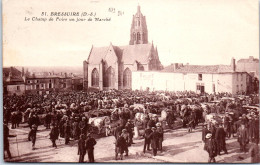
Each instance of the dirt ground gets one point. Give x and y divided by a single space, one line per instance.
179 146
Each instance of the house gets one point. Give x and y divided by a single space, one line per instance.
197 78
47 82
13 81
249 65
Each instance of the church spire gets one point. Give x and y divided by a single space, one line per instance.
138 32
138 9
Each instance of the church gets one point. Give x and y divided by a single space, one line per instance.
111 67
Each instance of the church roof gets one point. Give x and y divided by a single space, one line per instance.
128 54
139 52
97 54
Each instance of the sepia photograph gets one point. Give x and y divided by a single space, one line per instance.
130 81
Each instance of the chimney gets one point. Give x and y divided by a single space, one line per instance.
22 71
11 73
65 75
175 66
251 58
233 64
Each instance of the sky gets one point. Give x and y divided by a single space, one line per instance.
202 32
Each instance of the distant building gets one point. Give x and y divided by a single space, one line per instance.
45 83
111 67
17 82
13 81
249 65
77 83
197 78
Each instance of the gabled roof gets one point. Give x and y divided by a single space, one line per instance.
12 75
97 54
200 69
128 54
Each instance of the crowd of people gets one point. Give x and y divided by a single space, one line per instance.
239 124
67 116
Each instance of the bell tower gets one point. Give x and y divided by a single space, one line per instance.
138 32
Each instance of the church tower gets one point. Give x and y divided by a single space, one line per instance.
138 32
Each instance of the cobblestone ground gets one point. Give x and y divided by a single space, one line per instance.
178 146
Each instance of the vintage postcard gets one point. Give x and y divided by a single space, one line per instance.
133 81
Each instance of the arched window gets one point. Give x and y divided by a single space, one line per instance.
134 36
138 36
109 77
94 78
127 78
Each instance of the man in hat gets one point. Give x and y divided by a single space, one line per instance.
244 120
120 146
213 130
82 148
211 148
75 129
146 119
154 136
67 131
147 140
118 131
48 120
54 134
6 141
83 126
237 124
129 127
151 123
227 124
205 131
243 138
90 143
32 135
256 129
160 133
13 120
125 135
191 122
220 138
251 128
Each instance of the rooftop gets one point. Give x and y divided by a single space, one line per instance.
129 53
11 74
248 60
199 69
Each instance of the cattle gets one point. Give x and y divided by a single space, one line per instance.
99 122
214 118
61 106
139 116
140 107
